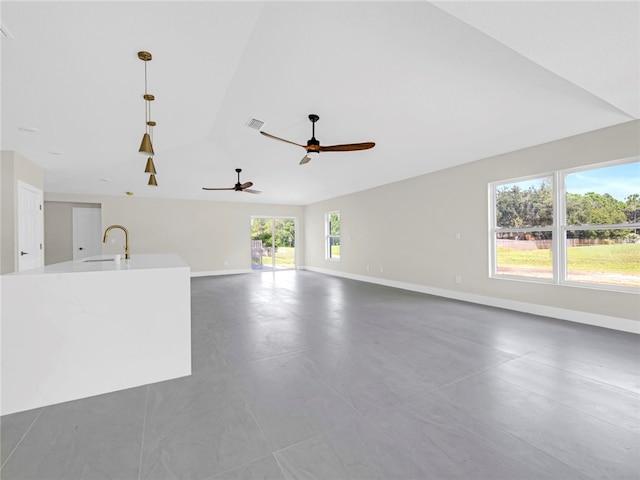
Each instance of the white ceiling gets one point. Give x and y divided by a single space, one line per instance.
433 84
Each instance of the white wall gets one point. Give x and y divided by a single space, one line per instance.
204 234
405 232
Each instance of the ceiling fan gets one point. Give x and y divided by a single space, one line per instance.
313 146
238 187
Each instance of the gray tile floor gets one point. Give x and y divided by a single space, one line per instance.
302 375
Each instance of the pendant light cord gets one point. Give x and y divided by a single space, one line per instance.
147 110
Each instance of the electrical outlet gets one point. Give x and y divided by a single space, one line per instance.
381 269
458 279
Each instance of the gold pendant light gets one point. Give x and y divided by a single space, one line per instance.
150 168
146 146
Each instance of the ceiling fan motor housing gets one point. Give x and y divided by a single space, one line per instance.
313 145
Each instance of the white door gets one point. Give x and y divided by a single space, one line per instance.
30 227
87 232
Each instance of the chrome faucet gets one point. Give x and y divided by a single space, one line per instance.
126 238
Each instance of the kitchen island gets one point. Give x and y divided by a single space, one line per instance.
77 329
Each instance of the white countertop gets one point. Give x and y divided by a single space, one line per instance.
106 263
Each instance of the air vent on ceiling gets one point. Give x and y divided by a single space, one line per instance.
4 32
254 123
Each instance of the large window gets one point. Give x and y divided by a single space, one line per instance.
333 235
578 227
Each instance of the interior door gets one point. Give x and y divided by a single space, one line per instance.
87 232
30 227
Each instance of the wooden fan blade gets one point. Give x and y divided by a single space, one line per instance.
347 147
305 159
246 185
248 190
230 188
281 139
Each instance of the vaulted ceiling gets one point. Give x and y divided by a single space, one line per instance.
434 84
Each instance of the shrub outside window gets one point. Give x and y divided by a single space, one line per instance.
579 227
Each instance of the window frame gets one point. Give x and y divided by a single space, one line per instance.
329 237
558 229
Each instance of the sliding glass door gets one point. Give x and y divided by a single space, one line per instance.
273 243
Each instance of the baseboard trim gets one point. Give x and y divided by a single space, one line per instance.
212 273
606 321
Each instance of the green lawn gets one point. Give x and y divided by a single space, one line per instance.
531 258
619 258
285 257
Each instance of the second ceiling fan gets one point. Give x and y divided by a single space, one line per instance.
313 146
238 187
